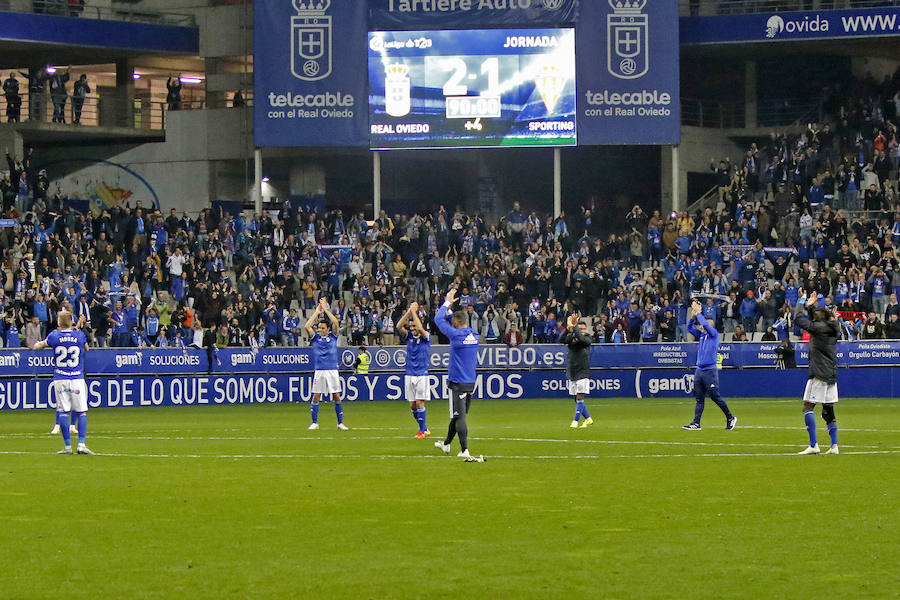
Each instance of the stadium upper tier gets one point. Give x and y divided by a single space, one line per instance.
82 10
736 7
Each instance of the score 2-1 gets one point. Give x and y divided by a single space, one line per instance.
454 86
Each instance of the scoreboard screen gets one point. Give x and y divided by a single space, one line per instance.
472 88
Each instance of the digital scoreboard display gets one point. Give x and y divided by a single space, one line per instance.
472 88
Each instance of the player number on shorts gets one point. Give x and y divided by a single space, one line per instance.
67 357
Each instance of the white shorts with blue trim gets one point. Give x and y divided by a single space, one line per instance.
417 387
326 382
71 394
580 386
819 392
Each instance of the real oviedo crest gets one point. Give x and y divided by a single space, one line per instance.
311 40
627 48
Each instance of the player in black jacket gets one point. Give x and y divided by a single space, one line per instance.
821 388
578 366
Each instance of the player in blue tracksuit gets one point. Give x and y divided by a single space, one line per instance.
463 360
706 377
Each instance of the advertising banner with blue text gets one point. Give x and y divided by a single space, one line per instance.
202 389
791 26
475 14
627 72
309 73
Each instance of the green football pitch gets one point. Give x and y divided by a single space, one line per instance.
244 502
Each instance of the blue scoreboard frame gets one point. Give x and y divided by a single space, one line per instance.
472 88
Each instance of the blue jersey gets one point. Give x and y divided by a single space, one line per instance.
152 327
118 318
324 352
463 348
68 345
707 352
418 349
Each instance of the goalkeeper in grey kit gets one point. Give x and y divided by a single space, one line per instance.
578 367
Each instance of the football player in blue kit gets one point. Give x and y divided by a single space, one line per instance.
418 350
69 345
323 342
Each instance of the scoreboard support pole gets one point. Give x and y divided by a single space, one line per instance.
557 182
257 180
376 181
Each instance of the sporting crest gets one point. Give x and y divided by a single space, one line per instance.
626 32
311 40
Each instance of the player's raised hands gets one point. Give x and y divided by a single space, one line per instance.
572 321
811 299
451 296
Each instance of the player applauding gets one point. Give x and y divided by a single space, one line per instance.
706 377
324 351
463 360
578 367
418 349
821 388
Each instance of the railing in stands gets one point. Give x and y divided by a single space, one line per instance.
704 8
732 115
110 11
100 111
707 200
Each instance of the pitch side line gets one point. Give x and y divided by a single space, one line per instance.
435 456
314 438
648 442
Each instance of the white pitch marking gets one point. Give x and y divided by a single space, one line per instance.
435 456
313 438
636 442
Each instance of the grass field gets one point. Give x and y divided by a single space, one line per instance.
244 502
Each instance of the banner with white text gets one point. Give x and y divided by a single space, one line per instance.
627 71
211 390
791 26
309 73
475 14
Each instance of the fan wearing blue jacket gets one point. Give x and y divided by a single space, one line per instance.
463 360
706 377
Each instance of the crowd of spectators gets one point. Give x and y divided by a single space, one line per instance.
37 82
782 226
